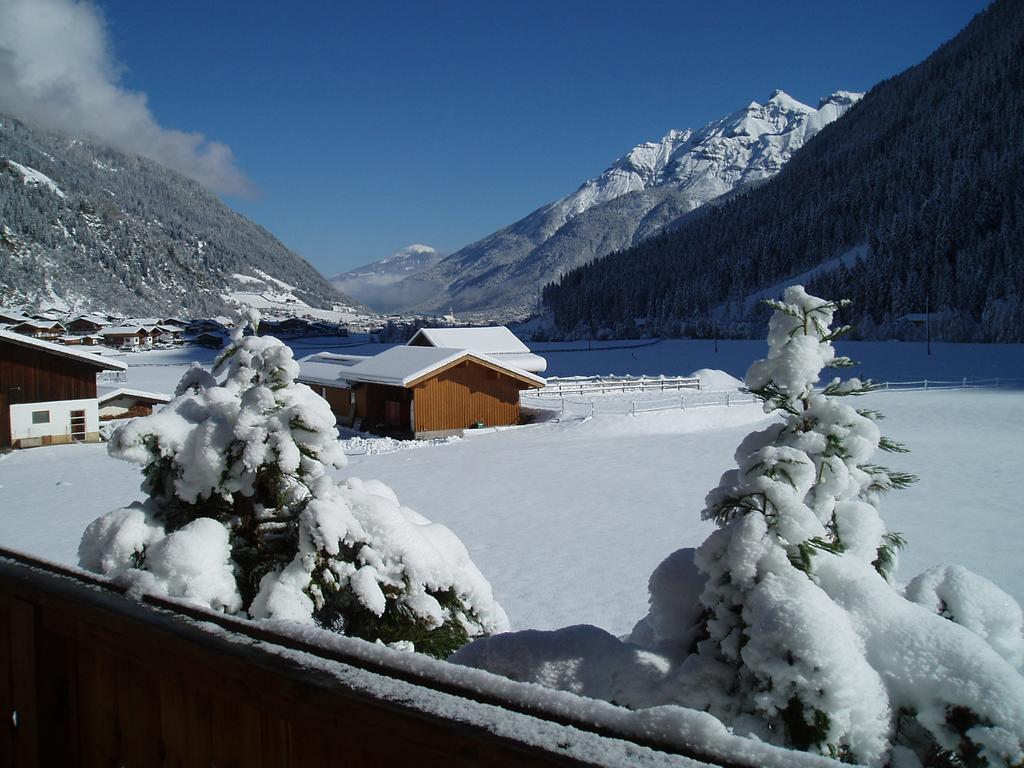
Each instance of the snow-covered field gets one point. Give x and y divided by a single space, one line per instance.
568 519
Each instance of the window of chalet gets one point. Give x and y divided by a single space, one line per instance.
40 417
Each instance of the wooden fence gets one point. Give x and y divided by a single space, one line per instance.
89 677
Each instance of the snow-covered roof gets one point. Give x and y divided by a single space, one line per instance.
401 366
125 330
42 325
327 367
496 338
496 341
156 397
58 349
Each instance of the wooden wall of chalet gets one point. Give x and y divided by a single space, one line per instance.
469 392
340 400
98 680
33 376
372 404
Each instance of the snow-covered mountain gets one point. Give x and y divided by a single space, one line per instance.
375 284
84 227
648 189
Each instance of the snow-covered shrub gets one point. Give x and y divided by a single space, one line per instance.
242 516
784 624
804 640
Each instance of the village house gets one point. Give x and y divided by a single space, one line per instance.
48 392
39 329
128 336
89 340
85 325
416 391
128 403
12 317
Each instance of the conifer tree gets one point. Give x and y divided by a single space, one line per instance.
804 640
242 516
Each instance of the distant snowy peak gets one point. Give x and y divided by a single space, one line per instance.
751 144
403 263
374 284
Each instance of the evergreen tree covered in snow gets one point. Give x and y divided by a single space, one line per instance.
242 516
785 623
803 639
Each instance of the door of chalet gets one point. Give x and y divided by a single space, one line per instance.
394 412
78 425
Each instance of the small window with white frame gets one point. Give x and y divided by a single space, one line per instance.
40 417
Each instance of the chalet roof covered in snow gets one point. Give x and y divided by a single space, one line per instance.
400 366
58 349
327 368
136 394
125 330
495 341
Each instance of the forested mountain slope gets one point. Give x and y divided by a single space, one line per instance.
926 171
85 227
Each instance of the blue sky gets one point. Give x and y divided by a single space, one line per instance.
369 126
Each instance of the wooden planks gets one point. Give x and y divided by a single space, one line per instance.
467 393
99 680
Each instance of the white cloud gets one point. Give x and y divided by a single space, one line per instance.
56 69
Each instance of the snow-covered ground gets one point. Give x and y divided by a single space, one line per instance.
568 518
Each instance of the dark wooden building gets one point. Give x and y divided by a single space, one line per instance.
47 392
419 391
39 329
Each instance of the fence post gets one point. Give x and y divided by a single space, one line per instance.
591 407
562 401
926 385
634 407
997 382
726 399
964 386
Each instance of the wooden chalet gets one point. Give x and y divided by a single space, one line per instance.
129 335
39 329
85 325
127 403
90 340
47 392
419 391
12 317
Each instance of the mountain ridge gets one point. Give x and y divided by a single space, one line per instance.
922 177
86 227
649 188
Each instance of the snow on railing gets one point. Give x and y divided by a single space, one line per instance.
622 406
112 377
558 395
924 385
582 385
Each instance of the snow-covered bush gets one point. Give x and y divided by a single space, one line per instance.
785 623
804 640
241 515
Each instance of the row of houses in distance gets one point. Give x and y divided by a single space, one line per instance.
96 330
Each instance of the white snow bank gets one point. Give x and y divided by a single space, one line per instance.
716 381
34 178
957 594
192 563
